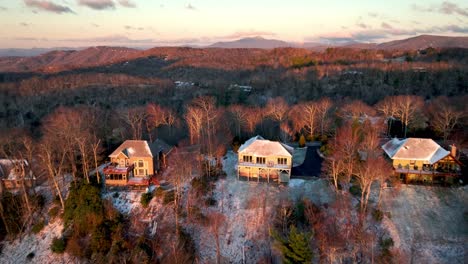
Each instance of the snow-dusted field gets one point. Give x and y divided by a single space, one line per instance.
39 244
428 224
248 208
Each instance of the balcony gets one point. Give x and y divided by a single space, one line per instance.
265 165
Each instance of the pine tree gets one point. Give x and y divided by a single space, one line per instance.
295 248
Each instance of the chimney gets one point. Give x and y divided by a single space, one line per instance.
453 150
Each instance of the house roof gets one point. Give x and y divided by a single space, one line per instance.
160 146
133 149
259 146
415 149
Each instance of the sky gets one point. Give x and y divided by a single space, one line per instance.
147 23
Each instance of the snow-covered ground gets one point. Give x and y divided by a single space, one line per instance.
248 208
39 245
428 224
124 201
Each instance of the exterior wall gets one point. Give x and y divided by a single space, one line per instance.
146 170
270 170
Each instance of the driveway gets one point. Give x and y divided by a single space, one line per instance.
312 164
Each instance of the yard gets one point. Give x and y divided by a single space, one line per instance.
428 224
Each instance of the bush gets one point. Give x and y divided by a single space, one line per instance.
169 197
54 211
115 195
377 215
38 227
58 245
302 141
39 201
210 201
159 192
355 190
30 256
146 199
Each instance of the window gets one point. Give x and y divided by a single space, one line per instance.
247 158
141 172
282 161
121 162
261 160
141 164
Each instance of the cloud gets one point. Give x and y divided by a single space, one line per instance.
450 8
127 27
446 7
48 6
245 34
2 8
110 39
31 39
373 14
94 25
127 3
384 33
362 25
386 26
24 24
189 6
97 4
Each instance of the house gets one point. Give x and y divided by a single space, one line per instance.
13 173
422 160
135 161
265 160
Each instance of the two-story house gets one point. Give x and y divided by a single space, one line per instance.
422 160
135 161
266 160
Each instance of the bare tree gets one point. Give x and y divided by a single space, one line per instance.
409 106
444 116
388 107
325 105
135 118
53 158
194 119
217 223
238 113
369 172
277 109
253 118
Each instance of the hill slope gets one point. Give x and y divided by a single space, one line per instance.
425 41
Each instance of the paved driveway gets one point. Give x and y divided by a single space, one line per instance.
312 164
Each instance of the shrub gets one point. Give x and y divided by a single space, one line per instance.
115 195
54 211
58 245
302 141
377 215
39 201
210 201
30 256
159 192
38 227
146 199
169 197
355 190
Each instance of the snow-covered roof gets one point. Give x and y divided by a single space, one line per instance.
133 148
259 146
415 149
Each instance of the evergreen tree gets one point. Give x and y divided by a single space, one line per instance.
295 247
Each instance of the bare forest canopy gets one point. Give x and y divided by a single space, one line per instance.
115 79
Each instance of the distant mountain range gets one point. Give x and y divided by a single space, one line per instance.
419 42
61 60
